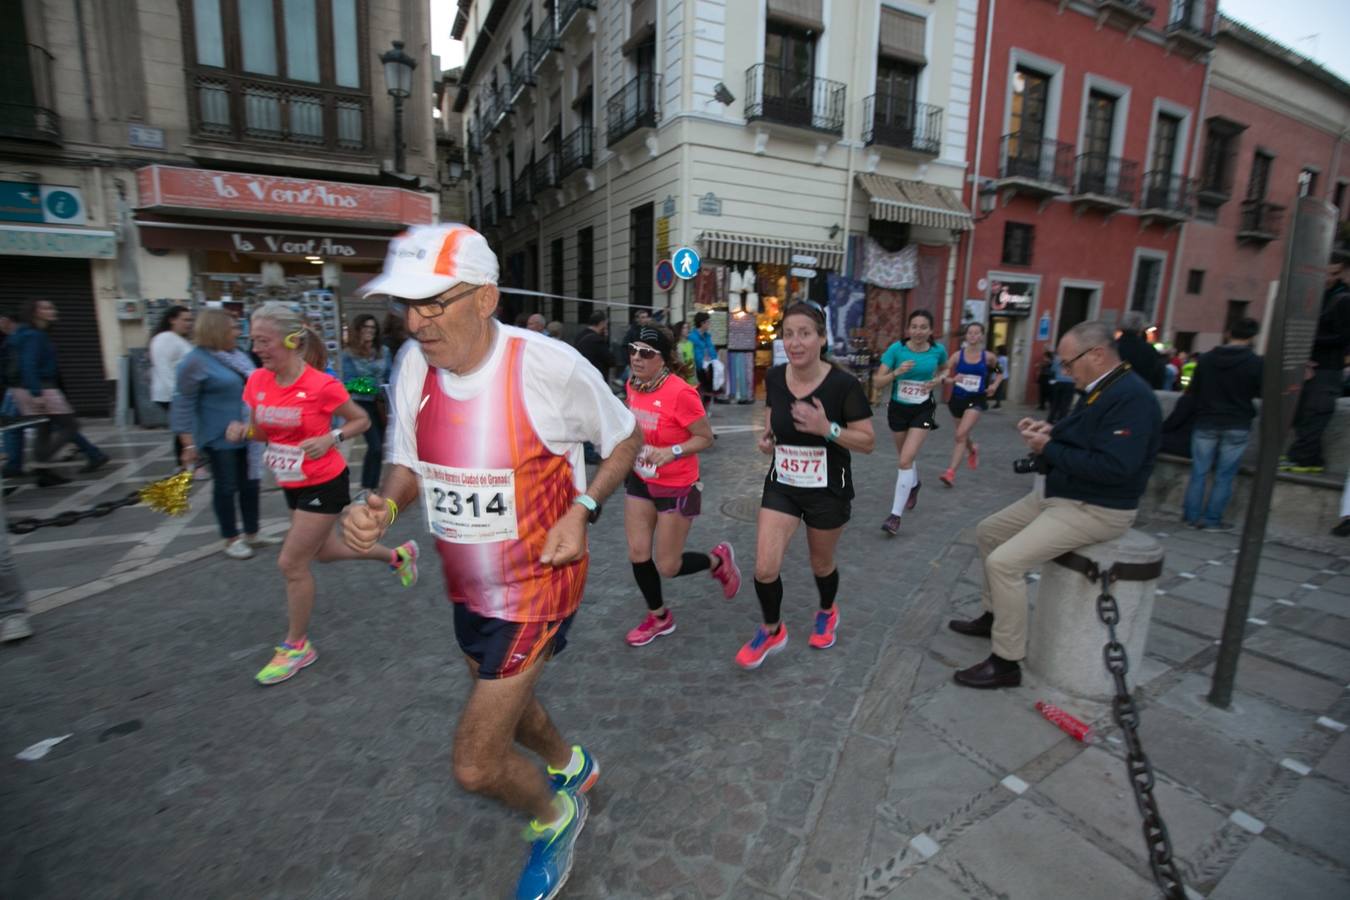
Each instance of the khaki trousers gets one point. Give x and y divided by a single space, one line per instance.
1021 537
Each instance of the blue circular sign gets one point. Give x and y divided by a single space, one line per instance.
63 204
686 263
665 274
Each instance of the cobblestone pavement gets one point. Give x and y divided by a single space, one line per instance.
860 771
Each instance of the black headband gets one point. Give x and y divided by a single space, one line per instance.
654 338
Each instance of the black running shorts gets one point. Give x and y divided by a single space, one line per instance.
904 416
327 499
818 508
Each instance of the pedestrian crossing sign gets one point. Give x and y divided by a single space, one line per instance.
686 263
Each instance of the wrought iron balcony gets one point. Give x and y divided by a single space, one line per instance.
898 122
568 10
780 95
1105 181
544 42
1128 14
547 173
29 123
578 151
1187 29
1036 165
635 105
1260 222
522 193
1168 196
238 108
522 75
496 108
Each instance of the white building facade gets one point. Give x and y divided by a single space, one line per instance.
605 134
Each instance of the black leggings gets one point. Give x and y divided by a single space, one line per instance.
374 461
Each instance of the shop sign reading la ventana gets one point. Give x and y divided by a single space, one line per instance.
279 244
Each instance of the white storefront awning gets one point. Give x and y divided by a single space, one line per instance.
753 248
915 202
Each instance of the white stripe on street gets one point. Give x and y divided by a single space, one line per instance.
1247 822
924 845
1015 784
1295 766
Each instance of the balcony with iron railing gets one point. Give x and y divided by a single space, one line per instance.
1167 196
522 75
1130 15
578 151
785 97
28 112
547 173
496 108
1260 222
899 122
567 13
522 192
249 108
635 105
1105 182
544 42
1187 29
1035 165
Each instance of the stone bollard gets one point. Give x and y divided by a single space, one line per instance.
1064 647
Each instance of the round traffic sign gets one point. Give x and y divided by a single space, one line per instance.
686 262
665 274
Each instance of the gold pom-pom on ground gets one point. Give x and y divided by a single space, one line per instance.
169 495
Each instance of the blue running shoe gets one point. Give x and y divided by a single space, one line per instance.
581 782
551 849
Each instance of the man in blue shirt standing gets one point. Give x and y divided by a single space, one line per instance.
1094 467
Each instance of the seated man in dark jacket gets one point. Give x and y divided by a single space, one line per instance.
1096 463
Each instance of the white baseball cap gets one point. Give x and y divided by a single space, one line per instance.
427 260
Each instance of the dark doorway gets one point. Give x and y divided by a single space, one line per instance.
1075 307
641 259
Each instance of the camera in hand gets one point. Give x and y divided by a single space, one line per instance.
1031 464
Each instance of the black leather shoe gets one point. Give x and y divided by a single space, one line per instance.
48 478
981 627
992 673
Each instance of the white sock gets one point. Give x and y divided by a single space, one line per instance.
904 483
573 766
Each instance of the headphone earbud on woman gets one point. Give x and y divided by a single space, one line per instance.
292 340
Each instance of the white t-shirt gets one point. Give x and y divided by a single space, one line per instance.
567 401
167 350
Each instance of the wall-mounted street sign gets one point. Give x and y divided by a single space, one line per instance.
665 274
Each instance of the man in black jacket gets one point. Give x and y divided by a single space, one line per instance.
1317 400
1096 463
1226 381
593 344
1135 349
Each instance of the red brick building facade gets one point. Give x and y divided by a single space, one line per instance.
1086 116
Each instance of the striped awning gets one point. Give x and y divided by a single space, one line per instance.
899 200
754 248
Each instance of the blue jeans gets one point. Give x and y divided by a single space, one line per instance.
1219 449
229 478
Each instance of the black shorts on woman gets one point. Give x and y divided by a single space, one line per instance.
844 401
904 416
328 498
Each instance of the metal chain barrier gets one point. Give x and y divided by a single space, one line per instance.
1126 715
70 517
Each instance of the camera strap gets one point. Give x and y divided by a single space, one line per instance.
1115 375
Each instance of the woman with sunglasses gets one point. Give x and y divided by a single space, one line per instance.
664 493
975 375
291 408
913 368
817 414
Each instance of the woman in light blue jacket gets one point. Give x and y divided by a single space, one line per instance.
209 395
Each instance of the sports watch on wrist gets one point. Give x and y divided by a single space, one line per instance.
592 506
677 451
835 431
337 435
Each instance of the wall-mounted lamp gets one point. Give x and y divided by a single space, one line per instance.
834 231
722 95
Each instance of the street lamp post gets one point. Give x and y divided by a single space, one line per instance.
398 69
